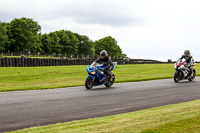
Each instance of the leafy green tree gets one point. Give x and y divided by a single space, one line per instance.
54 43
72 44
3 36
24 34
109 44
85 46
63 41
38 46
46 45
68 42
9 35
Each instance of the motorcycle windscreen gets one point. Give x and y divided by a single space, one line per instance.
115 65
94 64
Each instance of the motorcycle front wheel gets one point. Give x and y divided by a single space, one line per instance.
177 76
88 82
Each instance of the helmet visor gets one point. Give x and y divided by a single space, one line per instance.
103 56
185 53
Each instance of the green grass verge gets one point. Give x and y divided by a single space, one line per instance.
29 78
177 118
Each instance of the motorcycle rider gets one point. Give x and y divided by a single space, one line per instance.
189 61
107 62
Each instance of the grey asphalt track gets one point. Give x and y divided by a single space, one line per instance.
23 109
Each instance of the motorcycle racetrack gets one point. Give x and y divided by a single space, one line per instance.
23 109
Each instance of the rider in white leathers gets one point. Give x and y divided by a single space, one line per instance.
189 61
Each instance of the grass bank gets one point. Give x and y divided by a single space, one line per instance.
177 118
29 78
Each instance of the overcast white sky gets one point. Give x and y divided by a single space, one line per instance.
153 29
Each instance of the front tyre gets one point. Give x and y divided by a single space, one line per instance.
88 82
193 76
110 83
177 76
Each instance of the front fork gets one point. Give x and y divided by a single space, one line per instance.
180 73
93 78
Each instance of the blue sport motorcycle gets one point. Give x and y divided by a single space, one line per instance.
96 76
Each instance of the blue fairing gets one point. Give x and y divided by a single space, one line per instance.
100 78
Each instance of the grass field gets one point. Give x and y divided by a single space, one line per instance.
29 78
177 118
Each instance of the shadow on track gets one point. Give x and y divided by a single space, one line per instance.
185 81
101 88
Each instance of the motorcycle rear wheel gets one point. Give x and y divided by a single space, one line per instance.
110 83
194 75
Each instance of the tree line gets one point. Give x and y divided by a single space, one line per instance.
23 35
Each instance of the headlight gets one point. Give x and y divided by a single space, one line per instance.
175 65
92 72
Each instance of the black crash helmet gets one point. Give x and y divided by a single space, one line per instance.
103 53
187 52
